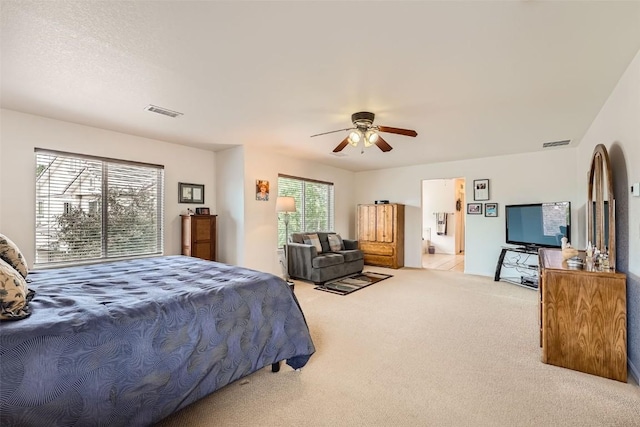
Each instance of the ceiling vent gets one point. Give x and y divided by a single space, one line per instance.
556 143
164 111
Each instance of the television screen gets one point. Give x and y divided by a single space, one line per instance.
538 224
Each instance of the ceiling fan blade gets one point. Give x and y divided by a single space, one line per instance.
341 146
383 145
331 131
405 132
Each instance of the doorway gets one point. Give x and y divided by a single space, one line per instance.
443 224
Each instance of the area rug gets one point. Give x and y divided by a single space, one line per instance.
349 284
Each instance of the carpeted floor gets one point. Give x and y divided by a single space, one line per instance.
347 285
423 348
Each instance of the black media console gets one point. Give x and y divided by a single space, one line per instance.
520 266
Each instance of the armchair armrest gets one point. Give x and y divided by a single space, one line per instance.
350 244
299 259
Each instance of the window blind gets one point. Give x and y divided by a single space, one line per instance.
314 205
91 208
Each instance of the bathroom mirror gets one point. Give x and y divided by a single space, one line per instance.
601 221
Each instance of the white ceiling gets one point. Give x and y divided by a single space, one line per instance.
474 79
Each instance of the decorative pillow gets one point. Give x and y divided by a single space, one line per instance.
313 239
14 295
10 253
335 242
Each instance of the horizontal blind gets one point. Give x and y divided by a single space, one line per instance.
90 208
314 205
132 210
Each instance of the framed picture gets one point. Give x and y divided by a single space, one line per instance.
190 193
474 208
490 209
202 211
480 189
262 190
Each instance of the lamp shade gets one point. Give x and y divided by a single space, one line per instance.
370 138
355 136
285 204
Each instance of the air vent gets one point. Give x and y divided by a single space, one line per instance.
164 111
556 143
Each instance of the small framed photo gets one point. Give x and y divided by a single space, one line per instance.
262 190
190 193
474 208
480 189
491 209
202 211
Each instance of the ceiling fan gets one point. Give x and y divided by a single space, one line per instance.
365 131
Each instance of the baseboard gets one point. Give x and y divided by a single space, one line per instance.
633 371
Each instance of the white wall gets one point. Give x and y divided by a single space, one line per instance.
22 133
439 195
543 176
617 126
1 163
231 216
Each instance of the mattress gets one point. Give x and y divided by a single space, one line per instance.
130 342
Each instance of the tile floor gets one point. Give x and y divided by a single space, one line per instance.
443 262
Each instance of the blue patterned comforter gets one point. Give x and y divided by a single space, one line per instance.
127 343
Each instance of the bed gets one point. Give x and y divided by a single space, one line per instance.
130 342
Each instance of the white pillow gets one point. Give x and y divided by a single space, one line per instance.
10 253
313 239
335 242
14 295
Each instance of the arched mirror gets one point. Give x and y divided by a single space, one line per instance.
601 220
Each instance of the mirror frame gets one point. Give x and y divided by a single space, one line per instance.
599 171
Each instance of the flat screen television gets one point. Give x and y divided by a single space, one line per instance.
538 224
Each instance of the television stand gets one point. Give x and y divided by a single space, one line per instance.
521 265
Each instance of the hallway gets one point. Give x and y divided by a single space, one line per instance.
443 262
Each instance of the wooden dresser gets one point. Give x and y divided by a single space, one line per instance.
583 317
199 236
381 234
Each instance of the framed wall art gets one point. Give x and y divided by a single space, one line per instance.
491 209
480 189
262 190
474 208
190 193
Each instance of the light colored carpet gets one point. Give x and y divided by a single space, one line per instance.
423 348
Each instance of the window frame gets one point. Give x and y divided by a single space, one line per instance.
156 246
298 221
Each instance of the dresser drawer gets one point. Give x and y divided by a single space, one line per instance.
379 260
376 249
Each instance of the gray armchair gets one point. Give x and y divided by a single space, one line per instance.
307 264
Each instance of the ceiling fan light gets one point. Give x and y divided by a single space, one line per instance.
370 138
355 137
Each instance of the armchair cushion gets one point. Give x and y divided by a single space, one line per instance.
351 255
327 260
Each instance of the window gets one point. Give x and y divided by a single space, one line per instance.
92 208
314 205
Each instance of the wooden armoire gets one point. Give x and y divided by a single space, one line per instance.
381 234
199 236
